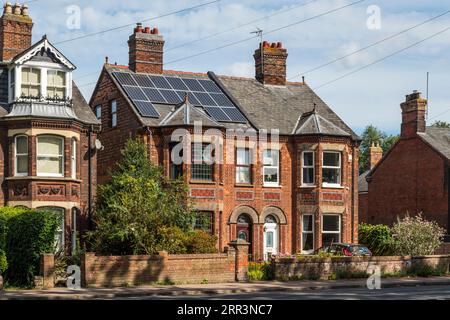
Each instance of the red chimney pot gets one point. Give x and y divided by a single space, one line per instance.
147 30
279 45
155 31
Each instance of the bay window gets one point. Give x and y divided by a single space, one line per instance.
21 151
307 233
31 82
331 229
202 166
56 84
308 170
243 166
271 169
331 169
60 230
73 159
50 156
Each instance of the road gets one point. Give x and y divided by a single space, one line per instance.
406 293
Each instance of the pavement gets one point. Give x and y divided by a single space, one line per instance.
214 289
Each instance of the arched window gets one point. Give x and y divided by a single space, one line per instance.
244 219
50 156
73 159
270 219
59 235
21 159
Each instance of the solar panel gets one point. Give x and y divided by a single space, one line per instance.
125 78
153 95
177 83
217 113
193 84
160 82
143 81
210 86
146 109
145 90
222 100
205 99
171 96
135 93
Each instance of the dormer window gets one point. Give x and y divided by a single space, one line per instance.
31 82
56 84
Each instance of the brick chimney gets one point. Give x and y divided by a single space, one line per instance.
270 63
15 31
375 154
146 50
413 114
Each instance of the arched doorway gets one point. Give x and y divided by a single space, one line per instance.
271 237
244 229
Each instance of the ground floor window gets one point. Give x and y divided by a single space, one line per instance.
331 229
205 222
59 236
307 233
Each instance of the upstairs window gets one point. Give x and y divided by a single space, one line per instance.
56 84
114 113
243 166
176 162
331 169
21 166
31 82
271 170
308 170
73 159
50 156
98 112
201 167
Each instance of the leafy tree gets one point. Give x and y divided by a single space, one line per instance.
377 238
370 136
416 236
140 211
441 124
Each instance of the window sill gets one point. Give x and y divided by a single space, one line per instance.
244 185
272 186
41 178
201 182
328 186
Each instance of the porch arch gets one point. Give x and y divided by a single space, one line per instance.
274 211
243 210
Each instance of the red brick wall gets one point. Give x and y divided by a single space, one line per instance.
15 35
364 208
410 179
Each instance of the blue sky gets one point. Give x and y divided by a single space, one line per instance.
371 96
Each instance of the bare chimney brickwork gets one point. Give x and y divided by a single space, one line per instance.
146 50
413 115
15 31
375 154
270 64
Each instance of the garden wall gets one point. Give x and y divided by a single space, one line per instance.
324 268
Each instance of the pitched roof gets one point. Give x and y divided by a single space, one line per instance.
363 185
312 123
186 114
438 138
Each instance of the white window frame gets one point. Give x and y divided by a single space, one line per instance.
113 110
303 184
333 232
308 232
43 174
332 185
41 79
58 87
73 158
271 184
16 155
246 165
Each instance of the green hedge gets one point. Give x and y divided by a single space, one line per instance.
26 234
377 238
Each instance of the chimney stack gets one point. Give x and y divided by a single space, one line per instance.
270 63
413 115
375 154
15 31
146 50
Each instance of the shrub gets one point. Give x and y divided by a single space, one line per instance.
260 271
30 234
416 237
423 270
377 238
201 242
3 262
173 240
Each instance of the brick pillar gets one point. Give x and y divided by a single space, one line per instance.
241 266
48 270
86 260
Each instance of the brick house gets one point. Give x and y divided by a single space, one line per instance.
45 126
291 195
413 176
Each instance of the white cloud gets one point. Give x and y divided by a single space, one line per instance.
241 69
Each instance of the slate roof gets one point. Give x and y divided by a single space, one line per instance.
438 138
312 123
363 185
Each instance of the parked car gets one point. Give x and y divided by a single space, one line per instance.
346 249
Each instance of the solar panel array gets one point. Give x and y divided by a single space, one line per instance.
145 90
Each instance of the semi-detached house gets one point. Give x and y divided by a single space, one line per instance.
295 195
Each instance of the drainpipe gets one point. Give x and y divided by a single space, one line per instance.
90 177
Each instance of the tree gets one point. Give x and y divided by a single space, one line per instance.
416 236
140 208
370 136
441 124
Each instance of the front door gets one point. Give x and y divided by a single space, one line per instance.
244 230
270 240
